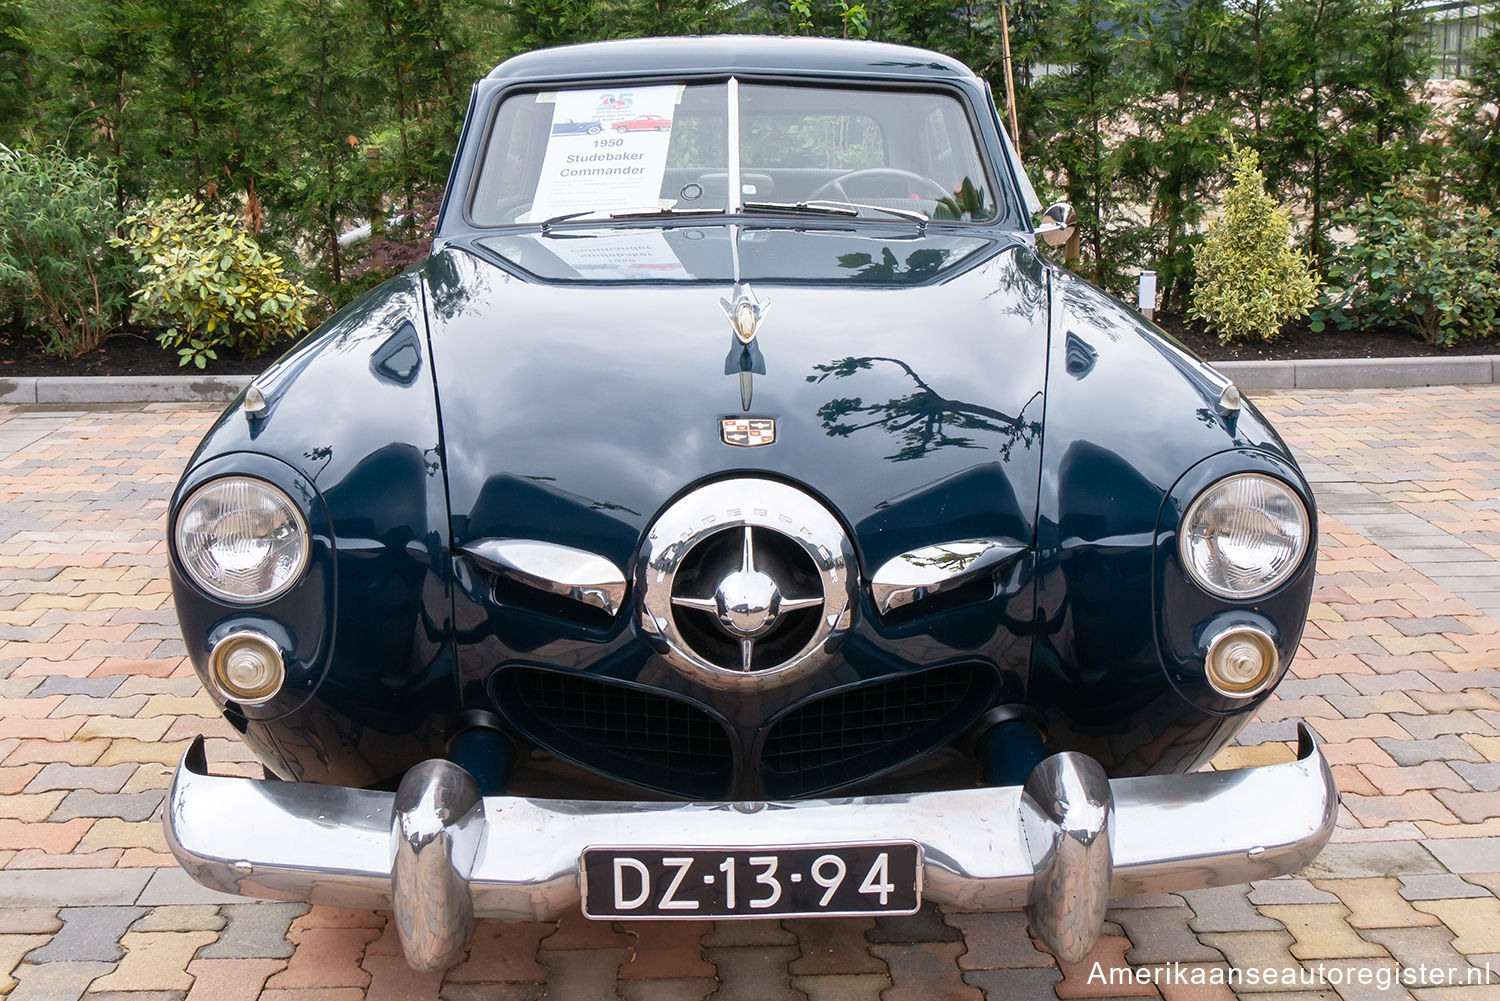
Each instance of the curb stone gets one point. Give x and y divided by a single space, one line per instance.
1311 373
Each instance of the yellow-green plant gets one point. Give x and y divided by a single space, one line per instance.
1249 279
207 283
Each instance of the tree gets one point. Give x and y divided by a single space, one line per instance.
1250 280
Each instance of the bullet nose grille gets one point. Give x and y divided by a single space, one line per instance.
636 735
861 732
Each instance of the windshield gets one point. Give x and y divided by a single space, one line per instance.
673 148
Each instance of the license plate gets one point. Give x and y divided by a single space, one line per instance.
751 882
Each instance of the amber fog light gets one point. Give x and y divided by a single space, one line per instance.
1241 662
247 668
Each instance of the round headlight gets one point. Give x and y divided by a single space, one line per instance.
241 539
1244 536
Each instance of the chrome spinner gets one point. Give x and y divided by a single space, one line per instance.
746 581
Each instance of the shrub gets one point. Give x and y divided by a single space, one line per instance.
58 272
1250 280
1416 262
206 280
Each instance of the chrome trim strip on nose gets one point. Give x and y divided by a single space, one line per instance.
982 849
931 570
570 573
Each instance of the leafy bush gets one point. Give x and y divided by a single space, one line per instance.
1416 262
1250 281
58 272
207 281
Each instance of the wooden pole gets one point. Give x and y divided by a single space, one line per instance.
1010 83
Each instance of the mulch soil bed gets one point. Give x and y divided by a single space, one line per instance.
135 353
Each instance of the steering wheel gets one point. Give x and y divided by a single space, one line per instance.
913 184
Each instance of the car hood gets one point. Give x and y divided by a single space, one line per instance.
910 403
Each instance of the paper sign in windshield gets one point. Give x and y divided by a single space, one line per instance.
630 254
607 152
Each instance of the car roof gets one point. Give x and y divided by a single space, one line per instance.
731 53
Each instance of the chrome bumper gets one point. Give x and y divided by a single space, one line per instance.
440 855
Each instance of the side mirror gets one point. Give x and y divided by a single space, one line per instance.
1058 223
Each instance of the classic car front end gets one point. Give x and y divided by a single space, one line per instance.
740 518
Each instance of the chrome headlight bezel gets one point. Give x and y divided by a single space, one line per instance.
1271 582
280 499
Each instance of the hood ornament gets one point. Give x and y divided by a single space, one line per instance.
745 312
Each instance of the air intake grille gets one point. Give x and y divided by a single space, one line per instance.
641 737
858 733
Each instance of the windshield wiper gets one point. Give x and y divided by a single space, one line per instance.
845 209
640 213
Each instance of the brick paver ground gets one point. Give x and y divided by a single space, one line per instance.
1399 673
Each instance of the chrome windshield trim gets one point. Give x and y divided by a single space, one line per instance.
931 570
569 573
736 189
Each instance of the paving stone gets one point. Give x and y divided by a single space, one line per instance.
1226 909
1414 948
920 971
924 926
155 961
136 995
29 921
392 979
695 989
756 932
1470 807
230 979
174 886
254 931
667 950
1428 775
574 931
1483 777
1103 973
1288 890
1256 950
100 688
503 951
55 981
998 941
1426 726
195 918
1376 903
585 974
1475 921
59 775
833 946
1466 855
89 934
12 948
326 957
1439 886
1020 984
485 992
126 806
1161 935
1348 861
1449 747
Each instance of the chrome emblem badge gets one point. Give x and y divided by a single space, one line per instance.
747 432
745 312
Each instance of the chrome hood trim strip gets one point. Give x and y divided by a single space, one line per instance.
569 573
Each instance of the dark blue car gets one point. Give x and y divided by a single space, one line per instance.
572 128
746 522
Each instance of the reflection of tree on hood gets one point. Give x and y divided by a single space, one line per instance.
920 265
921 421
